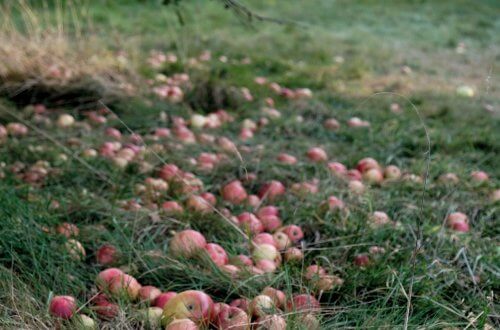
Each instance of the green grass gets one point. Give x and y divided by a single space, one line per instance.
375 39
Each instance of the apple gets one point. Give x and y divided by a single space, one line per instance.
317 154
172 207
104 308
354 175
187 243
162 132
113 133
294 232
366 164
65 120
62 307
234 192
267 266
267 211
271 190
198 204
271 322
327 282
125 285
75 249
331 124
253 200
192 304
310 322
227 145
451 178
495 195
456 217
105 277
217 254
216 309
169 172
68 229
278 296
337 168
303 303
209 197
392 172
282 241
84 322
479 176
379 218
184 134
153 315
241 303
242 260
373 176
314 272
357 122
182 324
293 254
149 293
335 203
460 226
232 318
261 306
250 223
107 255
246 134
356 187
270 222
230 269
361 260
287 159
16 129
163 298
264 238
265 252
198 121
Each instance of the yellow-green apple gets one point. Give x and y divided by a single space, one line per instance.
282 241
265 252
262 305
192 304
163 298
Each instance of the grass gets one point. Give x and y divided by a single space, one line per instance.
456 276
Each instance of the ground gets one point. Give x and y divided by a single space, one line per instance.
421 73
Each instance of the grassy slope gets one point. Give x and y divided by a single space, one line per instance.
375 39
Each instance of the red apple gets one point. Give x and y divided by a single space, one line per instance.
169 172
242 260
392 172
303 303
234 192
172 207
241 303
373 176
209 197
250 223
105 277
366 164
379 218
107 255
361 260
104 308
62 307
356 187
232 318
182 324
317 155
217 254
331 124
277 296
314 272
187 243
294 232
270 222
268 210
335 203
198 204
337 168
253 200
149 293
264 238
354 175
271 322
327 282
272 190
163 298
125 284
293 255
460 226
287 159
479 176
267 266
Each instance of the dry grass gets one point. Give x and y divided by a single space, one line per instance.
48 63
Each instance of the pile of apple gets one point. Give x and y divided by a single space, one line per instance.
192 309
